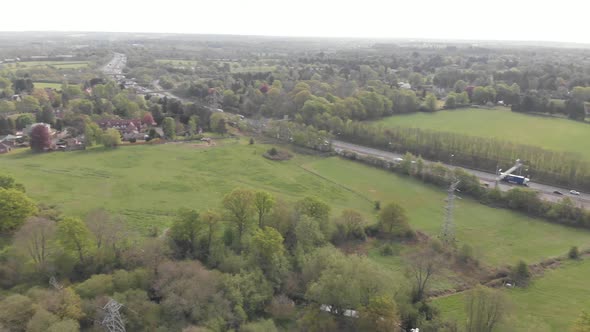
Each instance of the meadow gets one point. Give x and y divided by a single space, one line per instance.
43 85
148 184
55 64
550 303
550 133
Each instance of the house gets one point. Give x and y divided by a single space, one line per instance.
123 126
10 140
404 85
4 148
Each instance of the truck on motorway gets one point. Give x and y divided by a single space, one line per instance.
516 179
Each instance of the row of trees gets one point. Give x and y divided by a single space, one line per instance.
488 154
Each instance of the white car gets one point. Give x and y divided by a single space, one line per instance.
573 192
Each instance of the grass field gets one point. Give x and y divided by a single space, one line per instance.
56 64
498 236
546 132
176 62
550 303
148 184
44 85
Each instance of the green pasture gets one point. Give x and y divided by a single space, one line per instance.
547 132
550 303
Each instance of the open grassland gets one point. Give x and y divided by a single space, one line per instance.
550 303
546 132
498 236
148 184
55 64
44 85
177 62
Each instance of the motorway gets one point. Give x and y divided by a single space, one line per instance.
545 191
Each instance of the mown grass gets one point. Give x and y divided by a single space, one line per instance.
550 303
546 132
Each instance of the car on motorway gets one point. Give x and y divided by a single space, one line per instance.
573 192
557 192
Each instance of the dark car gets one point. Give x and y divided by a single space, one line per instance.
558 192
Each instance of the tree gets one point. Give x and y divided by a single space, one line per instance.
451 101
393 221
575 109
40 138
485 308
111 138
423 264
318 210
192 125
460 86
379 315
147 119
240 205
263 201
217 123
41 320
8 182
15 312
15 208
431 103
267 250
92 133
75 236
185 231
35 238
352 224
24 120
211 220
582 324
169 128
82 106
47 116
520 274
28 104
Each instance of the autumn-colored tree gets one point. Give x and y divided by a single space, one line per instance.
147 119
40 138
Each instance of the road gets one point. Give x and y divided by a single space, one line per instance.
546 192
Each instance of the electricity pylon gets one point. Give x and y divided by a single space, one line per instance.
448 231
112 321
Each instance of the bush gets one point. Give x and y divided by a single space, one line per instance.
465 255
574 253
132 140
388 250
251 141
377 205
273 152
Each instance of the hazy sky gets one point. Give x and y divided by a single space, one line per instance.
563 20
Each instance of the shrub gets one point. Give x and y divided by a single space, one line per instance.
387 250
273 152
574 253
132 140
465 255
377 205
251 141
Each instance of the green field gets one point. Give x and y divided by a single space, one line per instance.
43 85
550 133
550 303
176 62
40 64
148 184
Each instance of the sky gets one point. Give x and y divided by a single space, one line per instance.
540 20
